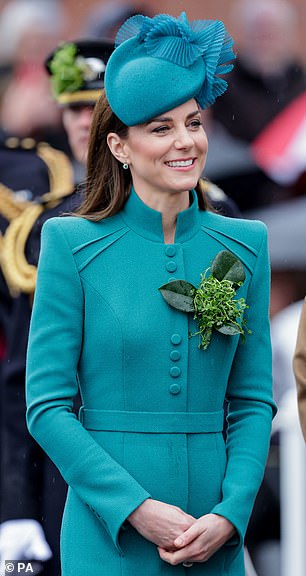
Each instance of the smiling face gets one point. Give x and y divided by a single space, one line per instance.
166 154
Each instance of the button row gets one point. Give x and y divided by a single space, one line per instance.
175 371
171 266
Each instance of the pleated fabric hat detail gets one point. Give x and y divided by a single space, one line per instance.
161 62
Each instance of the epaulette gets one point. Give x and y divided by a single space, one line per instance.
20 276
10 206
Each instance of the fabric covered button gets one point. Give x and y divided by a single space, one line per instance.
175 389
171 266
175 355
170 251
171 279
176 339
175 371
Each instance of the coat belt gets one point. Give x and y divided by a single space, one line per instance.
152 422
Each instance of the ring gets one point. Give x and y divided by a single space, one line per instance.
187 564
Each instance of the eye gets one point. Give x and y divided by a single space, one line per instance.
161 129
196 123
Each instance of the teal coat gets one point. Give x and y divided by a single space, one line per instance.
151 424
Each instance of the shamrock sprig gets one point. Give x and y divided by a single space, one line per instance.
67 69
213 303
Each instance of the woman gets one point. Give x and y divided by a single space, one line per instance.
153 488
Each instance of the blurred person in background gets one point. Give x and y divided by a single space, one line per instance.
29 172
267 77
28 32
104 19
18 17
33 491
228 157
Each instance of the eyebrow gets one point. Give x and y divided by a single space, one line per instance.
169 119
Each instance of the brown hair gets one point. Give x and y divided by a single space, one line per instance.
107 184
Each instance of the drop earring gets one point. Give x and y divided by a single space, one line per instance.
125 166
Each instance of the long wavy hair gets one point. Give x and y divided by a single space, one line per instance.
107 184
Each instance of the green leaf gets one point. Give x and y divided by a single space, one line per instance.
229 330
178 293
226 266
66 68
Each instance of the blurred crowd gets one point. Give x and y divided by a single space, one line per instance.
256 168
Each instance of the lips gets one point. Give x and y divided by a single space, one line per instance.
180 163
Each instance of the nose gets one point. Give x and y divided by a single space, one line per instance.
183 138
85 116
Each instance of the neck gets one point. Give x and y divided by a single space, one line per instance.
169 205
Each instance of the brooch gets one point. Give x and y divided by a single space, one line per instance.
213 303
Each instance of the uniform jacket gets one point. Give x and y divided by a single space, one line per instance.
26 176
152 417
28 181
31 485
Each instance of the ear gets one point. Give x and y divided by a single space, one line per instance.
117 147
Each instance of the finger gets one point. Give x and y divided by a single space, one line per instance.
168 556
178 556
189 535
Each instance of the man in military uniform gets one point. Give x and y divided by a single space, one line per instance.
24 175
33 492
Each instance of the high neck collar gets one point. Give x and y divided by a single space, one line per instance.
148 222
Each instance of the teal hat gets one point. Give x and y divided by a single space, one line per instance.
161 62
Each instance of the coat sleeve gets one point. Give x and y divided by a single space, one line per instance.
250 403
54 349
299 368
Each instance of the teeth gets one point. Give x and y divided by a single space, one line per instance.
180 163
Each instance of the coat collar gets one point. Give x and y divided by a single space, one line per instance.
148 222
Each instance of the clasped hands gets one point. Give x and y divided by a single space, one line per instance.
180 537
